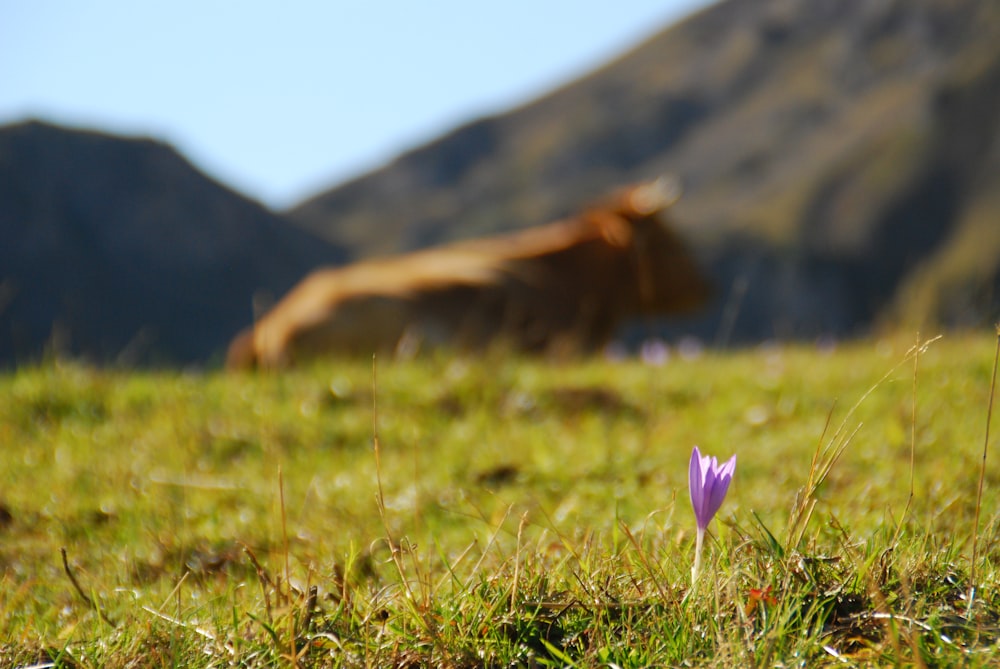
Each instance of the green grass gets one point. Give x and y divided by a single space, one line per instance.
531 514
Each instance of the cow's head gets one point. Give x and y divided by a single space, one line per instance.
665 271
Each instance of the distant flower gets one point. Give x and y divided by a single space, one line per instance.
654 352
708 483
690 348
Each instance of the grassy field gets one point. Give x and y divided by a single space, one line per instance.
490 512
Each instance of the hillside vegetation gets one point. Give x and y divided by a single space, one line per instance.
495 512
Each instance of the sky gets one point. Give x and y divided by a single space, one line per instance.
282 100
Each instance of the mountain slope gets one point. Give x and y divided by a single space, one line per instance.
119 249
839 157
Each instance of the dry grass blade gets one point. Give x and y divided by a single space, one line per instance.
266 584
517 561
655 575
982 478
292 654
827 453
76 584
201 631
913 443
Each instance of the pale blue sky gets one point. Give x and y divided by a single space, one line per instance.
282 99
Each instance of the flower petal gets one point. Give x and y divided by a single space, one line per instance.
696 485
715 492
706 467
729 468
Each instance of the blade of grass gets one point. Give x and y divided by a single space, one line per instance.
76 584
913 442
982 477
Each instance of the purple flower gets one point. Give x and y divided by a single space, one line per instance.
708 483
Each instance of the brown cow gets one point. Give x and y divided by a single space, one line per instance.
563 286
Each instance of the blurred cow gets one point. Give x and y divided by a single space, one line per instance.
562 287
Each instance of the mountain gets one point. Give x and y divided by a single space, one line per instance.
119 250
840 159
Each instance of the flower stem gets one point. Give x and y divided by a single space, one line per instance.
696 567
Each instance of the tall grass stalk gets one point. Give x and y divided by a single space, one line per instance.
292 655
397 548
828 452
982 478
916 350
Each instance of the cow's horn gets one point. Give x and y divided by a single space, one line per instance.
656 195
